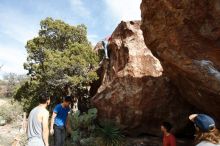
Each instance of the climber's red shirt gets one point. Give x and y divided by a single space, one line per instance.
169 140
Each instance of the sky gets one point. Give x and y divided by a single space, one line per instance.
20 19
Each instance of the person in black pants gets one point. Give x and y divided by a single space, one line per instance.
60 121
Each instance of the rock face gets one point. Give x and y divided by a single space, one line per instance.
185 36
132 90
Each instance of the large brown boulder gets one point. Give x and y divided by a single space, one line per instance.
132 90
185 36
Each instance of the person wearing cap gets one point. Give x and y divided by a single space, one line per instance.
60 121
206 132
168 138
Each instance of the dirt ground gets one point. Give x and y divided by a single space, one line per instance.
3 101
12 129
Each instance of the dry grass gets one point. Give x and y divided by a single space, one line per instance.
12 113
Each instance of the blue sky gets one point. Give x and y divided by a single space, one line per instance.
19 22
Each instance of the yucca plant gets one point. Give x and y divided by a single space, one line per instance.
109 134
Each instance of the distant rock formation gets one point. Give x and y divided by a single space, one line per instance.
132 89
185 36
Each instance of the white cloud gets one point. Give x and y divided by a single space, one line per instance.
124 9
16 25
12 59
93 38
79 8
16 28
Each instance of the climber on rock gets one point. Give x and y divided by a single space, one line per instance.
103 45
168 138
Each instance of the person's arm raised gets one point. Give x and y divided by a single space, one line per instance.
45 128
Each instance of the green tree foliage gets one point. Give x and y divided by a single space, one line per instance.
27 95
10 80
60 60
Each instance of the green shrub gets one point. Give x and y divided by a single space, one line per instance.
10 111
87 133
109 134
83 127
90 141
